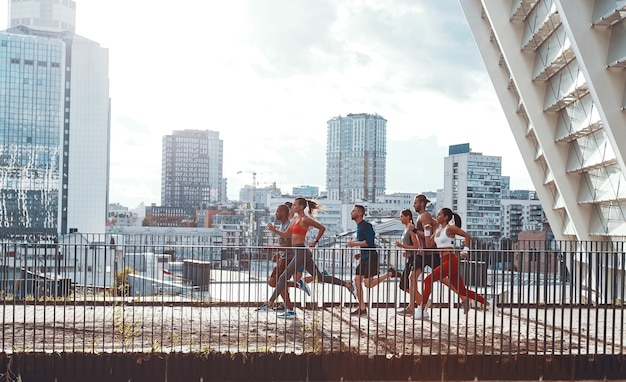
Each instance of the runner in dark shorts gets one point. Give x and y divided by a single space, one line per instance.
367 271
368 267
419 256
416 261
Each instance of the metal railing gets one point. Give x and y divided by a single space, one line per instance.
100 296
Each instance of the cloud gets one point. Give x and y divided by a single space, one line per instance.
427 45
415 165
269 74
293 35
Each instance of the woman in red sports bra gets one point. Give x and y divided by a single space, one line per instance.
303 256
444 238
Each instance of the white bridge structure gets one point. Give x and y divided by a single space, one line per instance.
557 67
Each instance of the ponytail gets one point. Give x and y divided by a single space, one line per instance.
451 216
314 207
311 204
457 219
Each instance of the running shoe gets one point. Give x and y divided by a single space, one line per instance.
262 308
279 307
302 286
359 312
405 312
288 314
420 314
352 289
393 272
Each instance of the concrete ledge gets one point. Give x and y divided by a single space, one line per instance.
112 367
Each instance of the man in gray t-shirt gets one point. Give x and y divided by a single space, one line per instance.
285 255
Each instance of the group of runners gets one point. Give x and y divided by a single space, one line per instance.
427 241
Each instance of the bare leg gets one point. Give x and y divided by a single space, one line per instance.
284 294
415 297
358 283
371 282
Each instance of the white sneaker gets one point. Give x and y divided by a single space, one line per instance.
493 307
420 314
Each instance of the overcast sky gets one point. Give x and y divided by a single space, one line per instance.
269 74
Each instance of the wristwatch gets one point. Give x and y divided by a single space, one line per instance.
414 230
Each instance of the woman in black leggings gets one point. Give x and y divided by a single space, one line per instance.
302 255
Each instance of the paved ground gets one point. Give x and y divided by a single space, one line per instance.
220 327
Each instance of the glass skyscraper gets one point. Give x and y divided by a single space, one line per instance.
31 99
356 154
54 125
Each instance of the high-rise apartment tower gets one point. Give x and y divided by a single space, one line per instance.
356 157
472 188
191 172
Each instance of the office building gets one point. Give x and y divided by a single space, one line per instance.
50 15
54 123
164 216
356 157
258 195
557 68
472 188
306 191
191 172
521 211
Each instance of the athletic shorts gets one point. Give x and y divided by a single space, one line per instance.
367 267
417 261
404 280
431 259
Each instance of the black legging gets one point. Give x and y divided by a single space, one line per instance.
302 257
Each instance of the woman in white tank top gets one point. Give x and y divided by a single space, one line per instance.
444 236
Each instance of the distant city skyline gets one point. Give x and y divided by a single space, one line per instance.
274 79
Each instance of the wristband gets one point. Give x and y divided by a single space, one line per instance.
465 249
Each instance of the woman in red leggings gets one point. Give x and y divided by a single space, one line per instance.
444 236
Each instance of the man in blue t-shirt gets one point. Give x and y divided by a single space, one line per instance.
367 271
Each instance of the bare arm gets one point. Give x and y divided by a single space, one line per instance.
361 243
320 228
430 240
456 231
413 246
427 222
284 235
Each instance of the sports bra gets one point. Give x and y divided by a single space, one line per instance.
441 238
296 229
